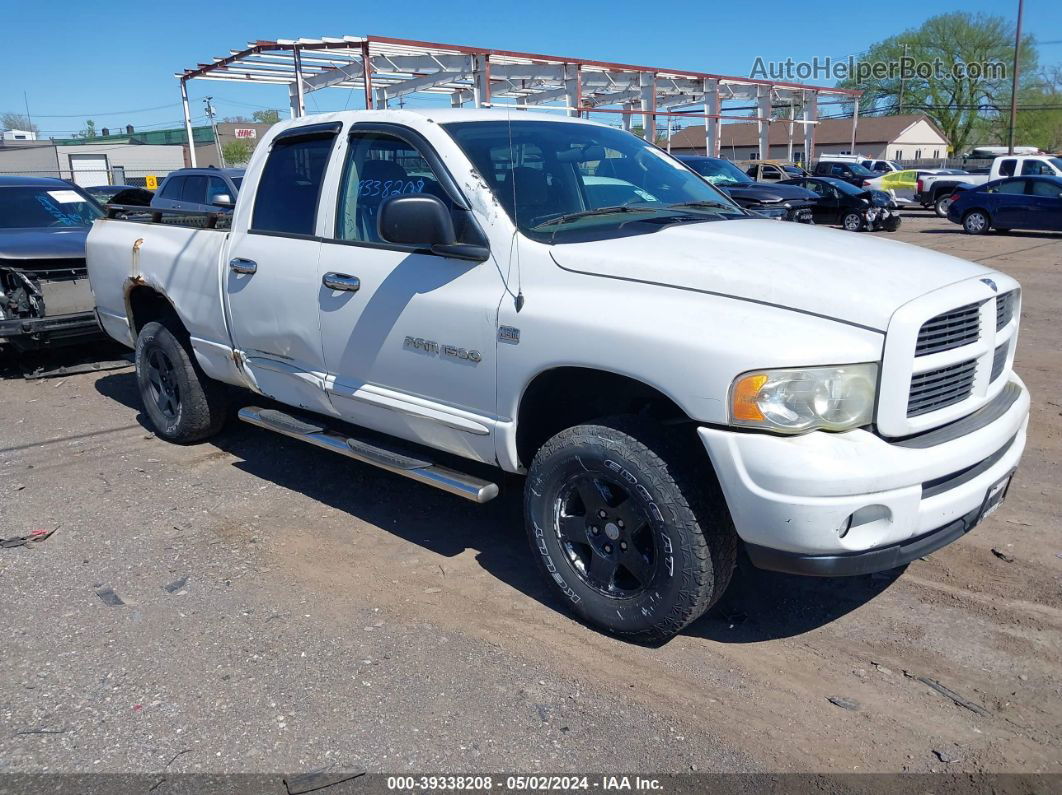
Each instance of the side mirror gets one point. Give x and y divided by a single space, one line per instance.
223 200
423 221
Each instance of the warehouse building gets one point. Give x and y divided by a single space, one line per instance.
904 137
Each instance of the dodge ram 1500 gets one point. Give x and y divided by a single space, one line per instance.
561 299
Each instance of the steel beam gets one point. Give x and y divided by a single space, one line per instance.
763 105
298 98
712 110
811 118
188 123
647 104
855 124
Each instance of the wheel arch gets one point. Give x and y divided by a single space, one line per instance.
565 395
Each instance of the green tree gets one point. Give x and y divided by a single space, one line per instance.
89 130
16 121
266 116
956 103
237 152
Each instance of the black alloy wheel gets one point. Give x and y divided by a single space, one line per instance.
606 535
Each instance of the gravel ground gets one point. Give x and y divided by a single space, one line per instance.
284 609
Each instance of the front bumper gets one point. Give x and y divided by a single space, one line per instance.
791 496
34 332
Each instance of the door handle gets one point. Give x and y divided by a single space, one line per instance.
341 281
241 265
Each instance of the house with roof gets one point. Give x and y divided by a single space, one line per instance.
901 137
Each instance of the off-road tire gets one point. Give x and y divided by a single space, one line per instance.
670 479
201 403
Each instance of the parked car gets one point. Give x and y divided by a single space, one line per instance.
881 166
675 378
44 291
121 194
200 189
855 209
773 171
936 190
773 200
1014 203
852 173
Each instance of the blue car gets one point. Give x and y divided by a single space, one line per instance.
1012 203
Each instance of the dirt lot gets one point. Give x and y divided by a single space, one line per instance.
333 615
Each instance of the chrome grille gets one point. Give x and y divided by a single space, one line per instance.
949 330
999 360
942 387
1004 309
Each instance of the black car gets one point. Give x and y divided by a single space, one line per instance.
853 208
44 290
121 194
775 198
852 173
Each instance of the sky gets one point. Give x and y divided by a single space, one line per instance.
114 62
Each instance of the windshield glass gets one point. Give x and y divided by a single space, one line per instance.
237 182
559 180
1056 162
31 207
859 171
719 172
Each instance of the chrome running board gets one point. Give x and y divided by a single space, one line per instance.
471 488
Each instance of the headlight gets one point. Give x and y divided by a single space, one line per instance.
795 401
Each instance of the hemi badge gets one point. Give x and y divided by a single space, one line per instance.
509 334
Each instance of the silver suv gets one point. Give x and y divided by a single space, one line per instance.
203 189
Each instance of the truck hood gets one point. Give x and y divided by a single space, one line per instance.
832 273
57 243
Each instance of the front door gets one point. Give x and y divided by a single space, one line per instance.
1045 200
272 281
409 337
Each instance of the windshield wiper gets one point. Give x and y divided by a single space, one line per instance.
619 208
705 203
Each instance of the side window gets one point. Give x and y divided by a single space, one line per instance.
1012 186
1041 188
1006 168
378 167
217 187
290 186
1034 167
172 189
194 189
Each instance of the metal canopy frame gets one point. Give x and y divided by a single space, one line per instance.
387 69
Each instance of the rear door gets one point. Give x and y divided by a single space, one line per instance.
169 195
271 281
1009 206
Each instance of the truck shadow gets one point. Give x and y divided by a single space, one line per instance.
758 606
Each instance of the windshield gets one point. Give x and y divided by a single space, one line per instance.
1056 162
719 172
558 180
859 171
237 182
31 207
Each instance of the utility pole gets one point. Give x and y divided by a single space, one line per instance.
902 62
214 127
1014 82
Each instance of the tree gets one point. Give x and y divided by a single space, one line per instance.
955 102
88 132
237 152
266 116
16 121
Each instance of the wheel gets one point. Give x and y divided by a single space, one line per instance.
182 403
853 222
975 222
624 530
892 223
941 205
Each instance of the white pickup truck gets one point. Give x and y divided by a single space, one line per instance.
935 190
557 298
